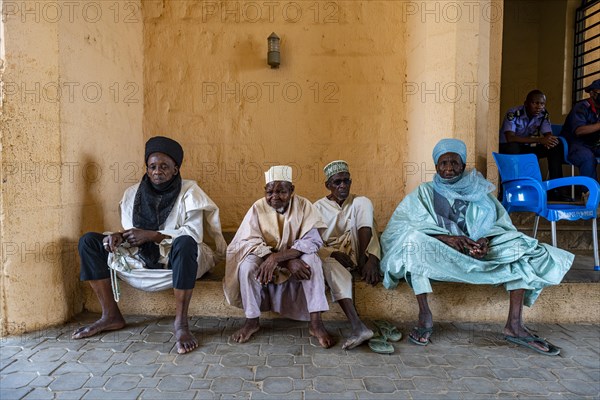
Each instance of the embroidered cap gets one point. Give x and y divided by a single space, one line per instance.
335 167
279 173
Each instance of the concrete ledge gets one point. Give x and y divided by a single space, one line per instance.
450 302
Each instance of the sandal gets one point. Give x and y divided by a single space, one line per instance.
526 341
417 334
388 330
380 345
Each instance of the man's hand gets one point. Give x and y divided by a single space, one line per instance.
460 243
481 250
370 271
137 237
265 270
299 269
112 241
549 141
343 259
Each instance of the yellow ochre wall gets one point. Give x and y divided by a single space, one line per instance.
376 83
71 121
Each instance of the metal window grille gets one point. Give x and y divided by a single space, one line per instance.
586 63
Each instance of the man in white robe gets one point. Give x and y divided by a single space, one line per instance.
169 225
272 262
350 240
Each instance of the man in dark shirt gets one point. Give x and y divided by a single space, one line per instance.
582 130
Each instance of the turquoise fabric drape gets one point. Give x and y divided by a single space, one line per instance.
515 260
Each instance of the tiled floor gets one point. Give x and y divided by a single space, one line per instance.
464 361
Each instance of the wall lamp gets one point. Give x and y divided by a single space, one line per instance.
273 56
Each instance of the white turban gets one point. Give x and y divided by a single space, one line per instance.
279 173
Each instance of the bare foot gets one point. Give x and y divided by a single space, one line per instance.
357 338
186 341
103 324
318 330
250 327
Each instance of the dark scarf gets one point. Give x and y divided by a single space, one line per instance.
151 207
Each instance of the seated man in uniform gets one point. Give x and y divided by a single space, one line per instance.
272 262
526 129
350 240
582 130
165 220
453 230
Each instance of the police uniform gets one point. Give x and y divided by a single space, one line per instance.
583 149
516 120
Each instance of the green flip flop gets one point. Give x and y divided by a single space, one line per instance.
527 341
388 330
380 345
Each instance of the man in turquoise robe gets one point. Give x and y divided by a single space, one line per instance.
454 230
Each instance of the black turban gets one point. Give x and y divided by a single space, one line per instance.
168 146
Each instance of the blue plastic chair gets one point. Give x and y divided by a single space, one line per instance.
524 190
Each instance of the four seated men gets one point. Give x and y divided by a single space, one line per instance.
286 248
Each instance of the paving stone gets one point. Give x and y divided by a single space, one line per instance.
342 371
295 350
14 393
379 385
292 372
71 381
143 357
354 384
99 394
194 371
324 360
581 388
528 386
480 385
146 371
175 383
226 385
273 385
304 384
206 395
96 382
71 394
72 367
267 396
302 360
427 385
48 355
416 361
96 356
152 393
235 360
16 380
35 394
362 371
122 382
40 381
457 373
215 371
281 360
382 396
330 384
404 384
571 373
251 386
433 396
201 384
315 395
